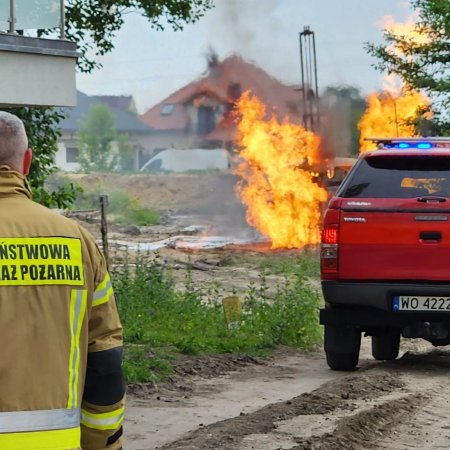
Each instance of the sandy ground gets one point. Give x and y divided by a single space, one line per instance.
164 417
291 401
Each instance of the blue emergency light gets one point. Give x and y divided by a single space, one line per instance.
403 145
410 143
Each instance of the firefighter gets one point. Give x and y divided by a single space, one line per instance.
61 381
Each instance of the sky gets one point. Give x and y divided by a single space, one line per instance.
150 64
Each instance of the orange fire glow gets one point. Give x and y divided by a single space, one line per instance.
283 201
406 29
388 115
391 113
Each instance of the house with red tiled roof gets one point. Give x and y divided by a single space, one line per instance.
199 114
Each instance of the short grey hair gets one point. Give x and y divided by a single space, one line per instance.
13 140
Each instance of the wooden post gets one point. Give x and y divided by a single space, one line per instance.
104 227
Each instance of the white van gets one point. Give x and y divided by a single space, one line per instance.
190 159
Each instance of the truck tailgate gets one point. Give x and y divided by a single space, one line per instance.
394 240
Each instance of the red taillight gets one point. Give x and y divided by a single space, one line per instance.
330 234
329 249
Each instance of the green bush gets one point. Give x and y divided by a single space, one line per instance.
167 321
62 191
128 210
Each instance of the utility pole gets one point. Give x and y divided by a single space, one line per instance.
309 87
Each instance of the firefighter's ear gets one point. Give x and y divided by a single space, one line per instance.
27 157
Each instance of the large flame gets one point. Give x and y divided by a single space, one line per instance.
283 201
390 115
392 112
408 30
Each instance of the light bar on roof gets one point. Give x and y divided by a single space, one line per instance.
424 143
408 139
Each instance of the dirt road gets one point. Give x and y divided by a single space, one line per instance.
294 402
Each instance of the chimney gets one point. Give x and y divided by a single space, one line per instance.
213 63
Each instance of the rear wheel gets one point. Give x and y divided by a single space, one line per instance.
385 346
342 361
342 346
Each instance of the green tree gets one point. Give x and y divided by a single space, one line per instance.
125 153
102 148
423 64
93 25
96 135
41 125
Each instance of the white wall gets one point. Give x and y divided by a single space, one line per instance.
61 156
61 160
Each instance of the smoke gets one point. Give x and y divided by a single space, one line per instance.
335 132
253 29
243 22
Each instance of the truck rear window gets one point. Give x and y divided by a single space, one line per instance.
399 177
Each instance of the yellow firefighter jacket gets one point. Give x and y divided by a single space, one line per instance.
61 384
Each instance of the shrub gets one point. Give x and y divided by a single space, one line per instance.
160 319
126 210
129 211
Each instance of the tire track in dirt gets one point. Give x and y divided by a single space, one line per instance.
159 414
416 416
336 395
398 405
361 429
429 428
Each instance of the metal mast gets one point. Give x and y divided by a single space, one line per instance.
309 88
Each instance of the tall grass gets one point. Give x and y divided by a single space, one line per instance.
161 321
125 209
129 211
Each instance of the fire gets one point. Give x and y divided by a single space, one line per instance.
392 112
283 201
390 115
408 29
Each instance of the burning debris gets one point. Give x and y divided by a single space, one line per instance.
282 199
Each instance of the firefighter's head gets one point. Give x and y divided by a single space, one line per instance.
14 151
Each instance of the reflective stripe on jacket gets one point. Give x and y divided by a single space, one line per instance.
61 382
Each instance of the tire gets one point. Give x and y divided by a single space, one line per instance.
345 362
342 345
385 347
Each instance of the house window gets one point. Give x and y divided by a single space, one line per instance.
72 154
234 91
167 109
206 120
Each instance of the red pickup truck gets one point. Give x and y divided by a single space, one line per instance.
385 252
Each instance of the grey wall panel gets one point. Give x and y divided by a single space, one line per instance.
32 79
36 71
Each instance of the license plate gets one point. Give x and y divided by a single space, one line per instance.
421 303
